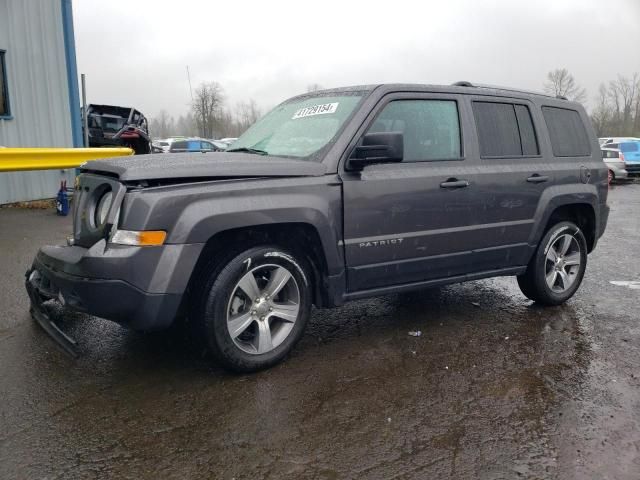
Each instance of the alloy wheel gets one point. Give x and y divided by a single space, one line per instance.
562 263
263 309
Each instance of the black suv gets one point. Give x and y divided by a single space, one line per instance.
333 196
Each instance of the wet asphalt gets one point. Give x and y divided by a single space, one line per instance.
495 387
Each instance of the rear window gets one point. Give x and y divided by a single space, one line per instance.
505 130
629 147
609 154
566 131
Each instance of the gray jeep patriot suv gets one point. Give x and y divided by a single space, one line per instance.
333 196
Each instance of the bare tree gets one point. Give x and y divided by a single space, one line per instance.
207 105
602 113
625 92
561 83
314 87
162 126
247 113
185 126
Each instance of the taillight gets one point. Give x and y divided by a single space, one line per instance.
621 156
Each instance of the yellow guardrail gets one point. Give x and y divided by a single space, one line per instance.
21 159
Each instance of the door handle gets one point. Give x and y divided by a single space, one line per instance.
535 178
454 183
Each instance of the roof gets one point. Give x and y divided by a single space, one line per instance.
458 87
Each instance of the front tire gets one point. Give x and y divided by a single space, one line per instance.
556 270
255 308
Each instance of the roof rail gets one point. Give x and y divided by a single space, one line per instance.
464 83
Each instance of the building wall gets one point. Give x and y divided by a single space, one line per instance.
32 33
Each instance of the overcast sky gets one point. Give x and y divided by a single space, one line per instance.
135 53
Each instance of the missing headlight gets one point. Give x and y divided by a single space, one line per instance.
102 208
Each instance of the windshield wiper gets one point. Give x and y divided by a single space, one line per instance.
249 150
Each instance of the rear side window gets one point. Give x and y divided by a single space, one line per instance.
629 147
179 145
505 130
566 131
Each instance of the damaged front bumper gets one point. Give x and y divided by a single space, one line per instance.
38 294
138 287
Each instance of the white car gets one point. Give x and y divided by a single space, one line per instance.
228 140
606 140
616 166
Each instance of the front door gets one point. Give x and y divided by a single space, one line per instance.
410 222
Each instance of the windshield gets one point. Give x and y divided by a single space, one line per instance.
298 128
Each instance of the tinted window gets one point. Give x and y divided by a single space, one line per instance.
206 146
178 145
4 92
612 145
431 128
629 147
566 131
609 154
497 129
504 130
527 132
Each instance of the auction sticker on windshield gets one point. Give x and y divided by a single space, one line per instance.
316 110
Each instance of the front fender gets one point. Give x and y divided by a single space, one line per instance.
194 213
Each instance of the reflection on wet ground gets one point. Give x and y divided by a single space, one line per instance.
494 387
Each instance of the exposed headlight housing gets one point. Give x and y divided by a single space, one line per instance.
102 208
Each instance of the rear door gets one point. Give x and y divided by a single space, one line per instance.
511 176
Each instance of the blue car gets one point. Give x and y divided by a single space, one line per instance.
194 145
630 154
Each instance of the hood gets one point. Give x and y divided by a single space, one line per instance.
203 165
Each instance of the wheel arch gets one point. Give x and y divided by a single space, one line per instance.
298 237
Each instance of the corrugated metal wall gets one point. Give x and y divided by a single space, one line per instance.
31 32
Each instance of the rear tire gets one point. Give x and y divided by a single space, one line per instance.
611 177
254 309
556 270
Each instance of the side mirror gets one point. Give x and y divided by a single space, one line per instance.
382 147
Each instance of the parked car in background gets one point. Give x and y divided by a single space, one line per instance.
615 164
605 141
193 145
165 143
220 144
629 153
113 126
228 140
156 147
